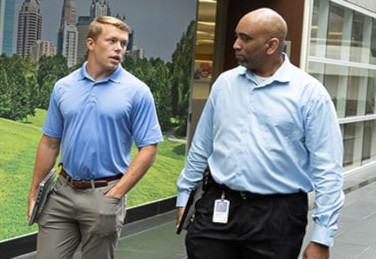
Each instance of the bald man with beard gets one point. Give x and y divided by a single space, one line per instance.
268 135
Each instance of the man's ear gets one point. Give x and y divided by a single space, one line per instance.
90 43
272 46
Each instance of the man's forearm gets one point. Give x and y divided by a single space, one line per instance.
136 170
47 153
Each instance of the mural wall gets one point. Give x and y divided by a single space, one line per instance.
48 43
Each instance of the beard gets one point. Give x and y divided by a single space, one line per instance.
244 62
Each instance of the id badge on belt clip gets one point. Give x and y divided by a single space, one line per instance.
221 209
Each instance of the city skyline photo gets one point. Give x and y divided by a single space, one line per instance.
157 24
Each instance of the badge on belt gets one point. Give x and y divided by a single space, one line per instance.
221 209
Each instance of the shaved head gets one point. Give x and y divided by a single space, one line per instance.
260 40
269 22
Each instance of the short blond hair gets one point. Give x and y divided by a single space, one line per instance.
96 26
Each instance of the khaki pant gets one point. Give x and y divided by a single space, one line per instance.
73 216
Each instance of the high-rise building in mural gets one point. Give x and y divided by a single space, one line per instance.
99 8
29 26
6 26
82 27
131 34
42 48
68 34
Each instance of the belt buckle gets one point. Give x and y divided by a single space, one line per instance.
243 195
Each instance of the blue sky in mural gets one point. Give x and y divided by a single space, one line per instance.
158 24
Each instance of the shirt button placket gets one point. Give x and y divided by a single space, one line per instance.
92 95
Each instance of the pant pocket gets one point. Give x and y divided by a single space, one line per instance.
108 212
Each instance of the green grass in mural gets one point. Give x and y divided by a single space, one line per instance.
18 144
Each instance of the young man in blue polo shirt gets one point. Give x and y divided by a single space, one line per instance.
94 115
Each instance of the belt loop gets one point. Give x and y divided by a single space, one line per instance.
65 180
92 183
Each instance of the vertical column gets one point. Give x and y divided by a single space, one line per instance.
373 142
362 92
358 144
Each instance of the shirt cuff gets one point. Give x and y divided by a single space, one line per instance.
182 199
323 235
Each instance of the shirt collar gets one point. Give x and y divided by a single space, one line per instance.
114 77
281 75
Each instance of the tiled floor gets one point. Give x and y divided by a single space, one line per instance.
158 241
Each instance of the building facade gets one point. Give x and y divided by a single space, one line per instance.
42 48
99 8
136 53
342 55
29 26
67 42
130 46
333 40
82 27
7 9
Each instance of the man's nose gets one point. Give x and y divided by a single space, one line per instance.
118 46
236 45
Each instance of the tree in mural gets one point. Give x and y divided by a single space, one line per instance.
19 87
160 82
156 75
181 71
5 101
50 70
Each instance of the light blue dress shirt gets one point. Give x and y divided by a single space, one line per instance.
99 120
280 136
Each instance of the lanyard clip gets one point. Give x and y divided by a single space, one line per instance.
223 195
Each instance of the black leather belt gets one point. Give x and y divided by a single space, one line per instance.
84 184
249 195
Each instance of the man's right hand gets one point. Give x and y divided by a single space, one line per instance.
31 203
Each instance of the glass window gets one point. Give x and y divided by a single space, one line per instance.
314 28
335 81
373 43
335 27
357 37
352 96
369 141
359 141
331 82
348 143
316 69
347 35
357 91
371 93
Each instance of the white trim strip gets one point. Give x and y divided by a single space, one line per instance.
341 62
354 7
357 119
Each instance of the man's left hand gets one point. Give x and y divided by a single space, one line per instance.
316 251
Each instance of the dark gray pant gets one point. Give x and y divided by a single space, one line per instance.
260 227
73 216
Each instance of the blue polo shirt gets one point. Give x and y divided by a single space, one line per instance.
98 121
